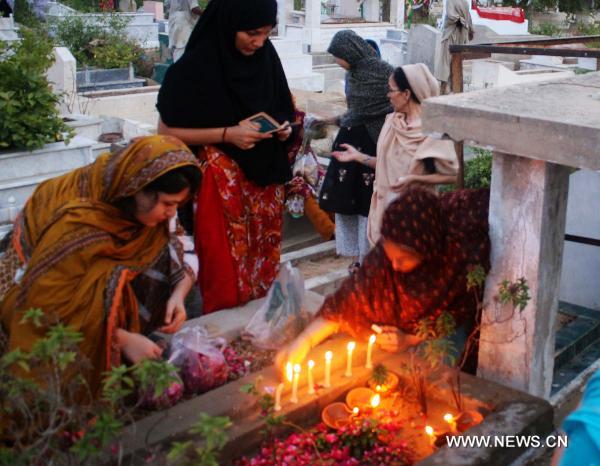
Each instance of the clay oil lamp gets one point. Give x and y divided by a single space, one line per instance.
337 415
360 397
468 419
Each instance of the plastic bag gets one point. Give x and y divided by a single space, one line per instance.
200 360
306 166
281 317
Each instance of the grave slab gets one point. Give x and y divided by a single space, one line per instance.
556 121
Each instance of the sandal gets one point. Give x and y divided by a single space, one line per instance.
353 268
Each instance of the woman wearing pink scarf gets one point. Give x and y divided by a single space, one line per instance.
405 156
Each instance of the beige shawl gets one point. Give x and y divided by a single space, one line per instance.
401 148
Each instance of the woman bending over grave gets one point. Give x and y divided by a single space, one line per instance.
418 269
96 249
229 72
405 156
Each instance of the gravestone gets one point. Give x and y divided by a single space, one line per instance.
62 76
8 32
424 46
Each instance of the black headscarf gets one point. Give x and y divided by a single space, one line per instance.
367 82
213 85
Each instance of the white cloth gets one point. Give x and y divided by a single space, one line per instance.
181 22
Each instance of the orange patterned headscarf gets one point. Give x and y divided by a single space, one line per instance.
79 252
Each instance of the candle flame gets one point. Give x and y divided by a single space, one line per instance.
429 430
297 368
378 388
372 339
448 417
375 401
328 355
288 371
355 410
311 364
351 345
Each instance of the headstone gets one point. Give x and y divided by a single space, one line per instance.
349 9
62 77
156 8
424 45
8 33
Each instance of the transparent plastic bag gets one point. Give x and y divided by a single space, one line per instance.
307 167
199 358
281 317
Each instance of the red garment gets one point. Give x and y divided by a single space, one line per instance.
449 233
238 233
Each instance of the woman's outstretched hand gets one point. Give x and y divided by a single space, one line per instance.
395 340
136 347
351 154
245 135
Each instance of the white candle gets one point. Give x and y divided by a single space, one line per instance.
369 364
328 357
351 346
297 368
278 396
311 384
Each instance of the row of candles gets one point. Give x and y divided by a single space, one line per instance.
293 372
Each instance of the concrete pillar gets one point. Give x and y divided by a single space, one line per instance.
281 17
63 78
397 13
527 226
312 23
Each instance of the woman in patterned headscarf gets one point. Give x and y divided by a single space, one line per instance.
417 270
82 241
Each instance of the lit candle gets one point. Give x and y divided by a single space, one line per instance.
378 388
369 351
449 418
289 373
431 434
351 346
297 368
355 411
278 396
328 356
311 385
377 329
375 400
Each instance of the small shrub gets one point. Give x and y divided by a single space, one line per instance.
30 117
478 170
546 29
103 44
588 29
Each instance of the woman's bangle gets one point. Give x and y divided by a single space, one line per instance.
224 134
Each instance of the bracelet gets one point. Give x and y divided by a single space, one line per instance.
223 135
